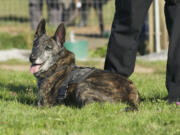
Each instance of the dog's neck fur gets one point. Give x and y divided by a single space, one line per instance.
54 77
66 59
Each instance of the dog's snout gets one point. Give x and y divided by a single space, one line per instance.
32 58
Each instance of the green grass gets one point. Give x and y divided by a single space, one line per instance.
20 39
13 41
20 115
12 62
11 7
99 52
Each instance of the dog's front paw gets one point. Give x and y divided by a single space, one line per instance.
40 102
131 109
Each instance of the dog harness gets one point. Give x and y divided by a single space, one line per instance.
75 76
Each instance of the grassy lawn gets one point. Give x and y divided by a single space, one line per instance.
18 93
20 115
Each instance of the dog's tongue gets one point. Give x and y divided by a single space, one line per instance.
34 68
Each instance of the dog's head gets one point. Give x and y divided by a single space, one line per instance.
46 50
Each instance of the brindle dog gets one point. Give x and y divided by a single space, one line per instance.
52 64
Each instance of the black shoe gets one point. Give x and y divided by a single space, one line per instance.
173 100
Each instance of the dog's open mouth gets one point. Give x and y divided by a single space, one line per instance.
35 68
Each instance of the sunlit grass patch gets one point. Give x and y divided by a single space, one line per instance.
21 115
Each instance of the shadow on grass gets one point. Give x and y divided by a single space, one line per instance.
26 94
17 92
92 35
14 19
156 98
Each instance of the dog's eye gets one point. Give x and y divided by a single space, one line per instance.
48 47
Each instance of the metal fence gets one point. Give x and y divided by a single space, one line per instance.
90 18
75 13
160 34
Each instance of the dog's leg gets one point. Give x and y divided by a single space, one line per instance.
40 99
86 95
83 95
133 98
84 12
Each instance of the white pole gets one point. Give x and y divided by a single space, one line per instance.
157 26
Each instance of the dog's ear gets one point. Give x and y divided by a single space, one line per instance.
60 34
41 28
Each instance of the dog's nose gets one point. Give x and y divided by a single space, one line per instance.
32 58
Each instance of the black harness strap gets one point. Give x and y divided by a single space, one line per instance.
76 76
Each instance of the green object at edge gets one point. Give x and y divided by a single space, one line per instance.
79 48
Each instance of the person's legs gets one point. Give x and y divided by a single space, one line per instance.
98 6
54 12
172 12
35 12
84 13
126 27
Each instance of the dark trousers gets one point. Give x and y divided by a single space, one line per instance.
123 44
54 12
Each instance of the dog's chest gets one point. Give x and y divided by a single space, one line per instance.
54 88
